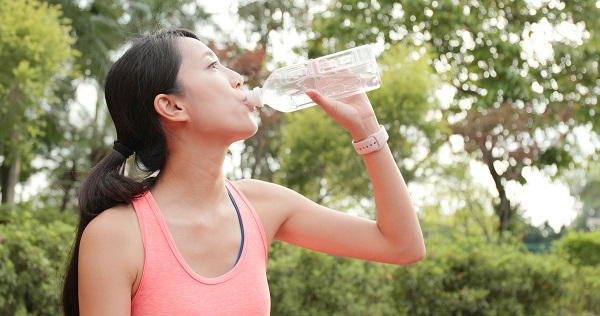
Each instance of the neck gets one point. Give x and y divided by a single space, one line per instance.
192 179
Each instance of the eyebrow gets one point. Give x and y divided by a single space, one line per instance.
210 54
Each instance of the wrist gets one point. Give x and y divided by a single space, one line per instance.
367 128
372 143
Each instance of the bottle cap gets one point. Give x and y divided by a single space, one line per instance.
255 97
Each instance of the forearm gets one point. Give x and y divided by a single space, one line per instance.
396 217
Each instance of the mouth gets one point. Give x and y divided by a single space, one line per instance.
249 105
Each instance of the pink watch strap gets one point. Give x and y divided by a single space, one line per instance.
372 143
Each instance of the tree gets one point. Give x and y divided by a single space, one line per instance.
35 49
101 26
266 17
459 203
514 107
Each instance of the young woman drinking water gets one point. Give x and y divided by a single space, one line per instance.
188 241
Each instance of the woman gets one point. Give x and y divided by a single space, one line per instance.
188 241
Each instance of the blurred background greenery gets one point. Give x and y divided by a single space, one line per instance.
511 85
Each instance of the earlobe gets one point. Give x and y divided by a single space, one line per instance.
168 108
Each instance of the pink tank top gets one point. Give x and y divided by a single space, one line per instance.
170 287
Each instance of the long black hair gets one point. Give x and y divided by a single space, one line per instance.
148 68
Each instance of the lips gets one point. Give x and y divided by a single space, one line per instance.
249 104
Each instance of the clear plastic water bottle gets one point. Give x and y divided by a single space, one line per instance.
336 76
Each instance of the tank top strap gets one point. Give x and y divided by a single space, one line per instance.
245 208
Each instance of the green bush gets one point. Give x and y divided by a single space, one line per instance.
459 276
580 248
584 291
304 282
32 259
474 277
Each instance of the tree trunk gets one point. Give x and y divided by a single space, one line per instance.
69 178
480 222
10 178
11 172
504 209
96 142
3 181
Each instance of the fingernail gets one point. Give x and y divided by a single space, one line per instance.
311 94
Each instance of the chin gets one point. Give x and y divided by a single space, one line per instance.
253 131
248 131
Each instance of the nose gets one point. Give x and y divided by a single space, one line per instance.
236 79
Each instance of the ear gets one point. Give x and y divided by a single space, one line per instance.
168 108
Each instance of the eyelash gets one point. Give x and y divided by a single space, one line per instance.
213 65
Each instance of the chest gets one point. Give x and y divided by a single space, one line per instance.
192 267
210 246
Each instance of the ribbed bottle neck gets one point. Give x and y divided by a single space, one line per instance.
254 96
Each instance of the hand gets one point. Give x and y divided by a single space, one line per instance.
354 113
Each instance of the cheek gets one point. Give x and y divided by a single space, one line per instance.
202 99
210 94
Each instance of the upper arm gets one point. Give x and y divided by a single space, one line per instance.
322 229
305 223
108 264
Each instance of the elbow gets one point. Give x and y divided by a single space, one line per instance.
412 255
416 257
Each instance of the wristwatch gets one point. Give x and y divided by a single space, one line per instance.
372 143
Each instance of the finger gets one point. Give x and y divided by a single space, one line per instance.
315 95
326 104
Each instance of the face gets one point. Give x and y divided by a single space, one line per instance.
212 94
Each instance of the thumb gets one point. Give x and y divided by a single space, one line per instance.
314 95
326 104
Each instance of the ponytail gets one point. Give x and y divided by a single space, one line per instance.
106 186
148 68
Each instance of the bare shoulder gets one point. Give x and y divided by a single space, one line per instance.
115 233
258 189
273 203
112 242
271 196
116 223
111 260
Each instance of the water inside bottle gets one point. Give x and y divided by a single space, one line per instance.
335 87
337 76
